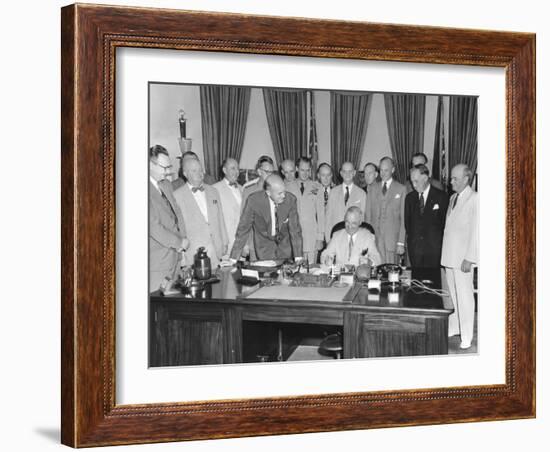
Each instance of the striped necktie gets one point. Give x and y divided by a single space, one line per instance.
350 247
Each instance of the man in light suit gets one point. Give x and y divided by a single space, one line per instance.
324 176
425 213
386 213
202 210
352 245
167 235
421 159
272 216
370 173
231 197
305 190
460 253
342 197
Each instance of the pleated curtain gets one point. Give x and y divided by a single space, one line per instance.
286 112
224 114
463 131
349 116
405 115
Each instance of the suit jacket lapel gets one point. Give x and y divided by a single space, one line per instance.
266 211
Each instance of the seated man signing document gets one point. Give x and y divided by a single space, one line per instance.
352 245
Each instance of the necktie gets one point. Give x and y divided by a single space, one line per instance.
422 205
384 189
326 195
346 197
350 247
276 221
302 188
171 208
456 199
195 189
233 184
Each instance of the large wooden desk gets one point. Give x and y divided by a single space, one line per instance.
208 329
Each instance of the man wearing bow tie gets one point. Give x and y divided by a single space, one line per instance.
386 211
460 253
231 196
425 213
272 216
202 211
167 235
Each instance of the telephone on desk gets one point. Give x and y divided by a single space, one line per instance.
387 272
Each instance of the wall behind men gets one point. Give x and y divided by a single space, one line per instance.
167 99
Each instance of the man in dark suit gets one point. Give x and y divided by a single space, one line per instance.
425 213
167 234
272 215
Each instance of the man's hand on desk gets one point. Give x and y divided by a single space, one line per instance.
227 262
184 245
298 260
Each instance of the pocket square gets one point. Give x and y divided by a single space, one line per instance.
397 196
436 207
286 221
214 201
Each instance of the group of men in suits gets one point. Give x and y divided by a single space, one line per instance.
288 215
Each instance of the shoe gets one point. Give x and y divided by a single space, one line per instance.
465 345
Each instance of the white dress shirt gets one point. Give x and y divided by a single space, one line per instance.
234 191
425 194
273 222
155 184
200 197
344 188
388 183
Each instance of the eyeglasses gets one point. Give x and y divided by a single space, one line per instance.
165 168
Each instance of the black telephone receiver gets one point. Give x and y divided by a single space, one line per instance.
386 268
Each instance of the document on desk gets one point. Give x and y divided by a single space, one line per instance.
334 294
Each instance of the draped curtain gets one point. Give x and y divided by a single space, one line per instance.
349 116
463 131
286 112
405 118
224 113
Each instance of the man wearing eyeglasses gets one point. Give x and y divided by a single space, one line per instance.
167 234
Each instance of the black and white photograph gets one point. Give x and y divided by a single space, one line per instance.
291 224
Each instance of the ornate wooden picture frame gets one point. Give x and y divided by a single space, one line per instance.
90 37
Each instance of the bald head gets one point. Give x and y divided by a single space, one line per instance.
288 169
461 176
192 170
347 172
275 188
